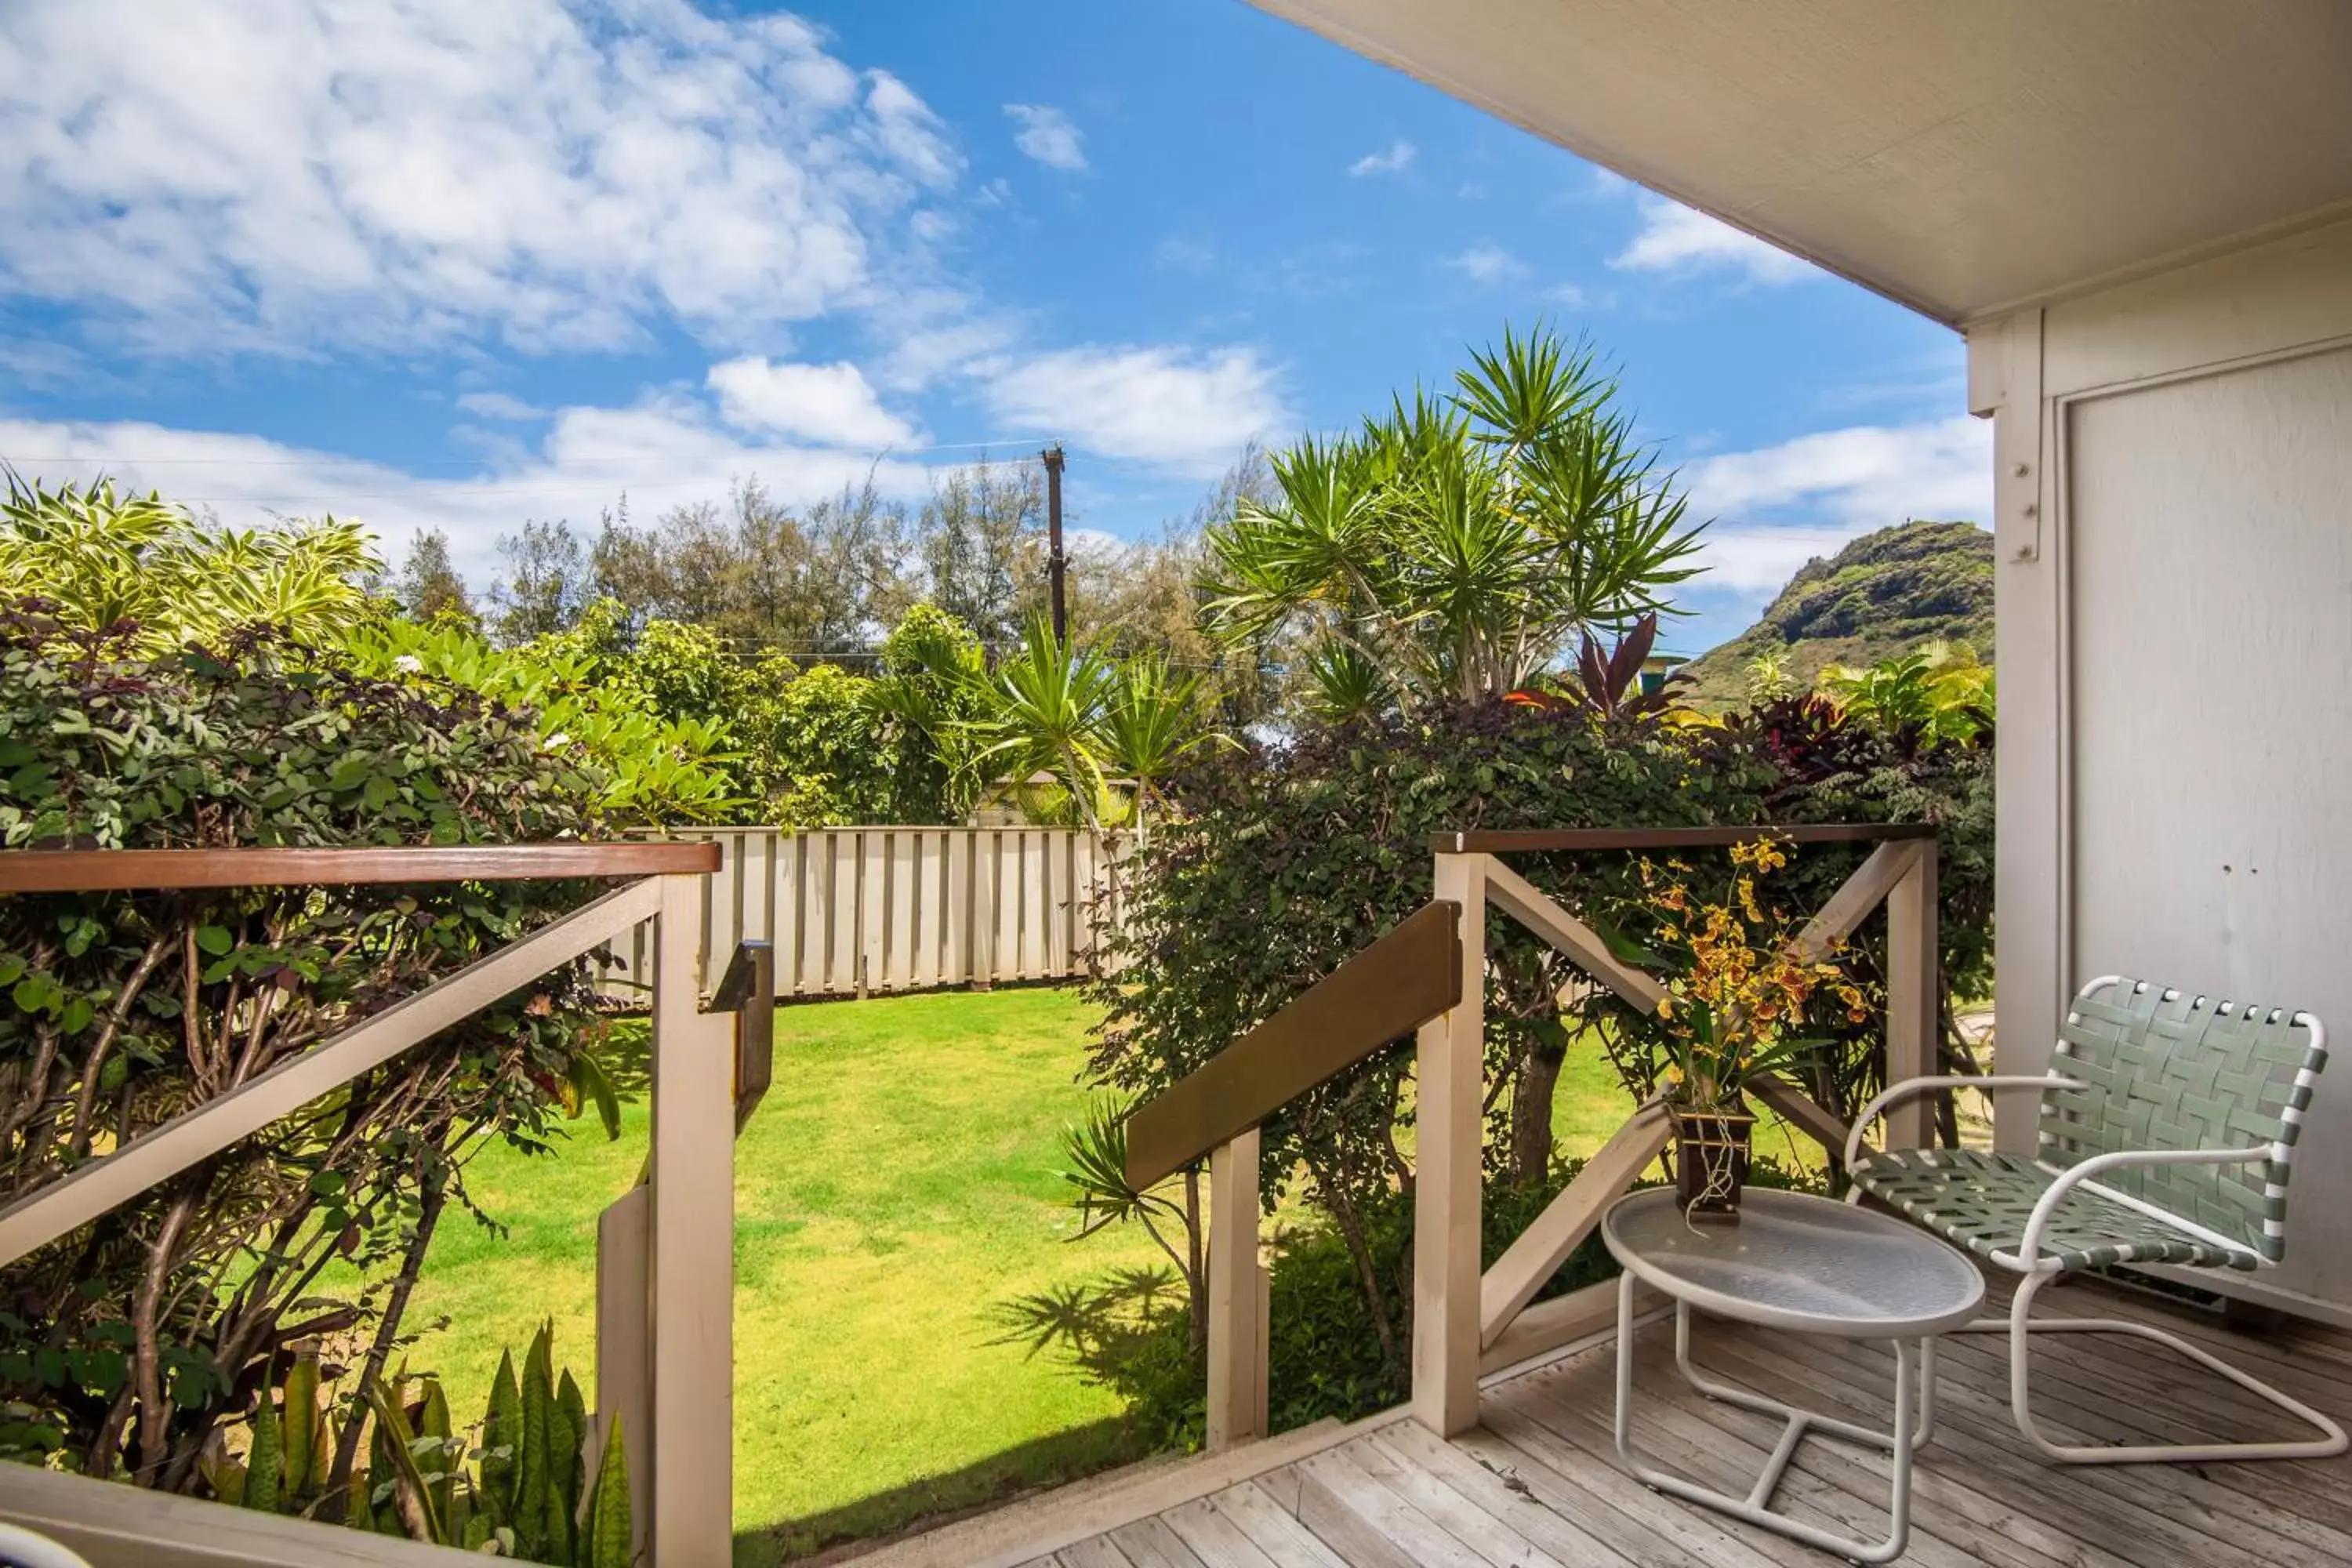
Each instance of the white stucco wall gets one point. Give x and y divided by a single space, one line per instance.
2174 586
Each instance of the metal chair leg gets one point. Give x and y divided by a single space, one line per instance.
2021 1326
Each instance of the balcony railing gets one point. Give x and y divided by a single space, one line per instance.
1426 977
664 1267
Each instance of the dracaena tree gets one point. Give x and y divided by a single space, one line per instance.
1454 545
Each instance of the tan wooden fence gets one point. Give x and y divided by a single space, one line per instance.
856 911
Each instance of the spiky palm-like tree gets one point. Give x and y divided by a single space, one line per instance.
1050 700
1459 543
1150 727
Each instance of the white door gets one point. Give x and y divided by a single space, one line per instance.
2210 608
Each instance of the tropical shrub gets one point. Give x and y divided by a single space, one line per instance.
815 752
648 765
1067 729
1457 543
128 1344
102 559
518 1484
1938 689
1289 860
934 701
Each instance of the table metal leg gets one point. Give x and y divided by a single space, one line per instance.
1915 1371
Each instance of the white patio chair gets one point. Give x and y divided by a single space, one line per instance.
2168 1126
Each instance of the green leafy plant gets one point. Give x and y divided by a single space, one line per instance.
1052 699
102 561
1287 859
1458 542
1607 684
518 1486
126 1344
645 767
1938 691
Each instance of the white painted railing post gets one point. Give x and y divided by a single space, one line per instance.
691 1245
1914 987
1237 1325
1448 1082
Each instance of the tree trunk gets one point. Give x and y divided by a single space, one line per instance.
387 1330
1532 1092
1352 1231
146 1328
1196 1268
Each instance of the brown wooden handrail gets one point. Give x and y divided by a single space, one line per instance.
124 870
1390 989
1513 840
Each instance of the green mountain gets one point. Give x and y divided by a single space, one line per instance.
1883 595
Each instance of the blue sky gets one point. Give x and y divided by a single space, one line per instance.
443 263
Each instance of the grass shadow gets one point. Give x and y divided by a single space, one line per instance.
929 1501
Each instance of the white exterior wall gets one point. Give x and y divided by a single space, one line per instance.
2173 539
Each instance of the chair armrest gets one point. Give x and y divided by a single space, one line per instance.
2028 1254
1912 1088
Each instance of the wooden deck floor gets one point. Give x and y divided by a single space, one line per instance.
1537 1486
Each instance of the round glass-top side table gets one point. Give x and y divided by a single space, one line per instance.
1809 1266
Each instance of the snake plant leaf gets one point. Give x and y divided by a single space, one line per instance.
265 1463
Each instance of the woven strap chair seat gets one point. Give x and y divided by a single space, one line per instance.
1981 1201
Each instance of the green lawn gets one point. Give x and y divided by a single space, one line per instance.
898 1181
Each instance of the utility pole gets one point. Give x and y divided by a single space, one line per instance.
1055 562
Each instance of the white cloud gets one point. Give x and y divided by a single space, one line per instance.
500 406
1569 296
1777 507
933 342
1047 134
1186 253
1676 238
662 453
1185 411
301 176
1395 161
1487 263
832 405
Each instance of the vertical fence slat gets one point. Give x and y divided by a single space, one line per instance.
961 849
1028 965
931 888
719 905
791 894
1003 880
904 848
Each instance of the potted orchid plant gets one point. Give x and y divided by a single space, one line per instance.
1736 1008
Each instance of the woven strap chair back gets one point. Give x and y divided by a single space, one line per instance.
2170 1070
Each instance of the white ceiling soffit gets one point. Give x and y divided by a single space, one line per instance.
1962 156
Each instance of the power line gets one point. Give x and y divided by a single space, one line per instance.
1016 452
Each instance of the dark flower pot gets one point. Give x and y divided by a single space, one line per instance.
1711 1163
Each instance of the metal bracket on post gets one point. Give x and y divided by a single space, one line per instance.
748 990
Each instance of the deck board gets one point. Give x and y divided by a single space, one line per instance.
1538 1484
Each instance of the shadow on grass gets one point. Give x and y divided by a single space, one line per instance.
929 1501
